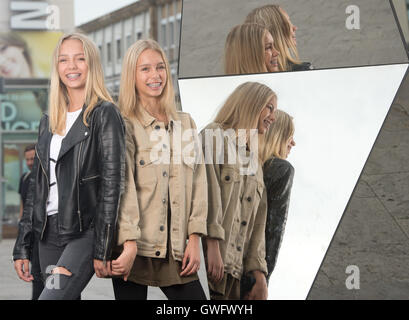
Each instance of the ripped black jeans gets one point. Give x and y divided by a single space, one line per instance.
73 254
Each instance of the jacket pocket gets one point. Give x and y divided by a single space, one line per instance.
90 178
146 168
230 187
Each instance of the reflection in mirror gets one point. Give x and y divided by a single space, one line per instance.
322 34
337 115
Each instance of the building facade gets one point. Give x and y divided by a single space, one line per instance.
115 32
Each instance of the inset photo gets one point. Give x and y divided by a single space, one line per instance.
228 37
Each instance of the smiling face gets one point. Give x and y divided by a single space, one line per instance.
72 67
267 116
151 75
13 64
270 53
293 28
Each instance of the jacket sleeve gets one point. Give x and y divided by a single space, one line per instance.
24 242
215 210
128 218
256 252
278 177
198 213
111 152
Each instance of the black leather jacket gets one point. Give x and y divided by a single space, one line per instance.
303 66
278 178
90 173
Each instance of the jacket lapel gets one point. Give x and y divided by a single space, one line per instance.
43 148
77 133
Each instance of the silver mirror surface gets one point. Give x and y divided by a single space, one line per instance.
329 34
337 115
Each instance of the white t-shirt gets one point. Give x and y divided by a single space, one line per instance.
55 146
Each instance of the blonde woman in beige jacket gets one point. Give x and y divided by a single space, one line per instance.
165 199
236 221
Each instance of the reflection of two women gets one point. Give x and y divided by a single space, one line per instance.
247 212
266 42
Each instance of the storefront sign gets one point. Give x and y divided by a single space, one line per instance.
34 15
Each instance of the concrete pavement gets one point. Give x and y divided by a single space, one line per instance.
12 288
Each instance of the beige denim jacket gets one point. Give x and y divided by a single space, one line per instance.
237 206
160 173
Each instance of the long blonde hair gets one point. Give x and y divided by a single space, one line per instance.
278 136
243 107
271 17
129 102
95 90
244 49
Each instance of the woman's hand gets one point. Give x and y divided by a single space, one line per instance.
259 290
22 267
215 265
123 265
191 259
102 268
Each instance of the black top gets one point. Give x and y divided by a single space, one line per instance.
303 66
278 178
23 186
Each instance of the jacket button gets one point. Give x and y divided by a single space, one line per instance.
249 199
238 248
157 253
164 146
162 228
163 200
157 127
165 174
141 162
244 223
227 178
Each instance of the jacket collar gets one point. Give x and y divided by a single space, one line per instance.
77 133
43 144
147 120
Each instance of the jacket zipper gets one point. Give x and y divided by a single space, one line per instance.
78 188
90 178
106 243
48 186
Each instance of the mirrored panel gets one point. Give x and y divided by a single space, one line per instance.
307 34
337 116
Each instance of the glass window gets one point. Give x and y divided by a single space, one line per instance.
21 110
163 35
109 52
118 49
172 33
128 41
100 53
